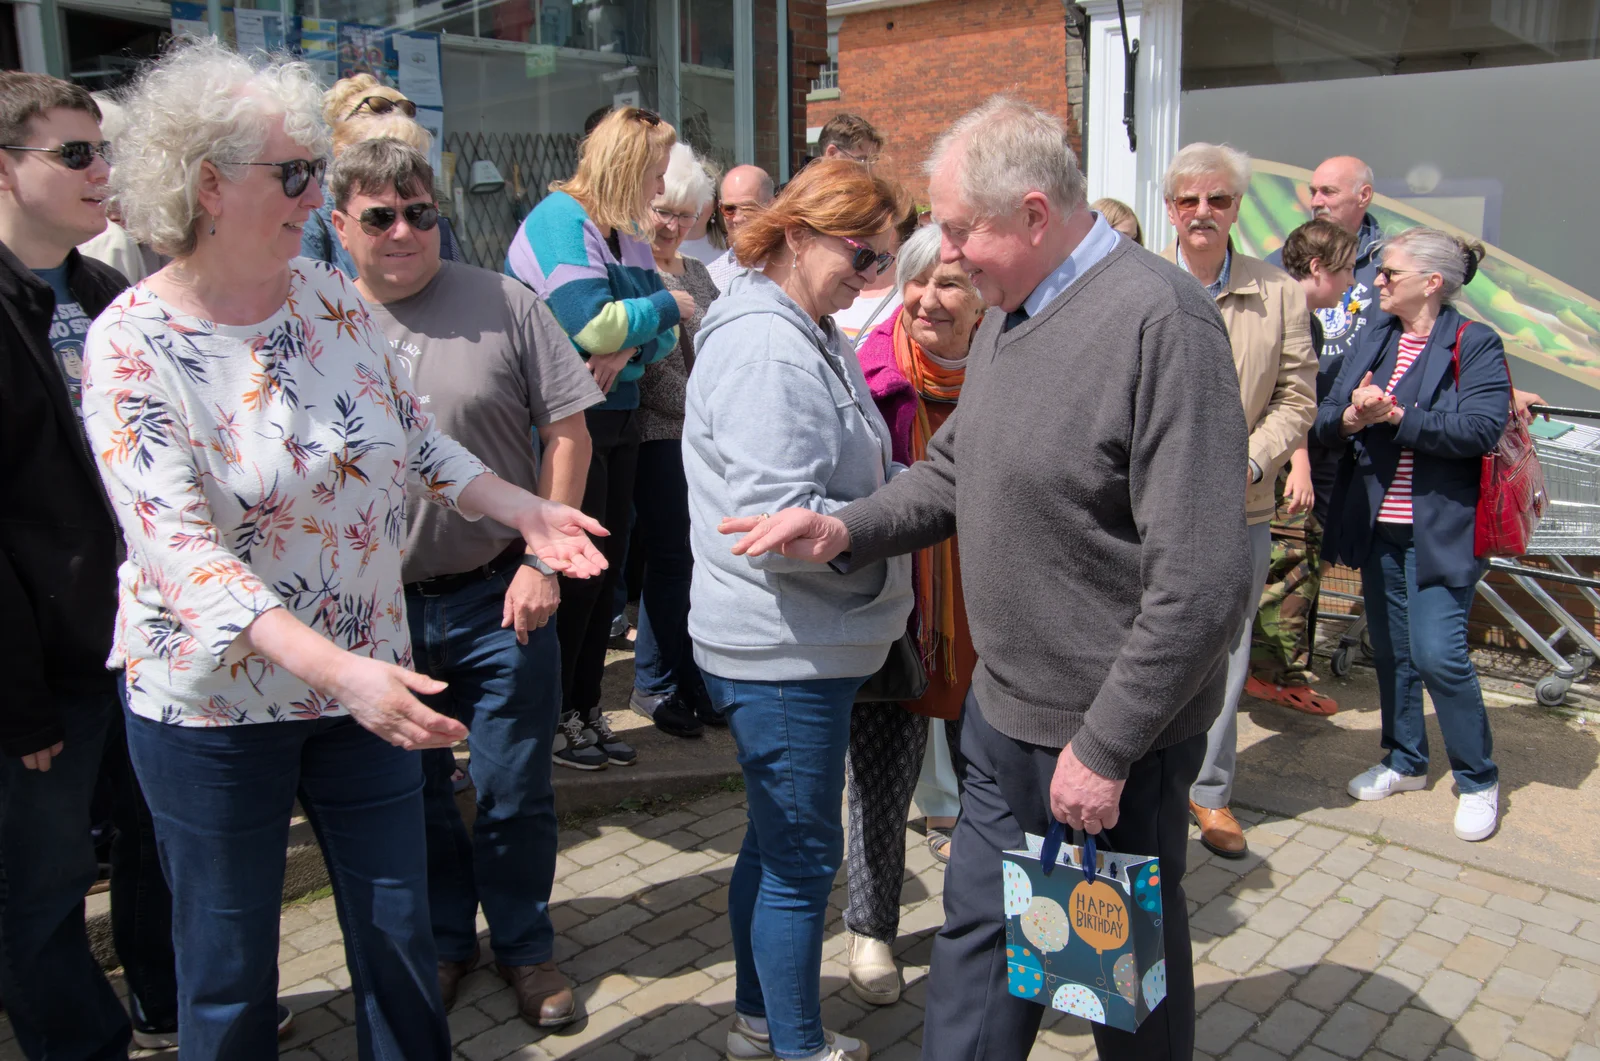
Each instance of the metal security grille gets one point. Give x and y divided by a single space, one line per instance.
486 222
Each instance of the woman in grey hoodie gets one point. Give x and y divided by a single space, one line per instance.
779 414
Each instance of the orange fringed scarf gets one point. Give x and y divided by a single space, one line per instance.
936 569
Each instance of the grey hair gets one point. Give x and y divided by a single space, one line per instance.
687 182
375 166
202 102
1198 160
917 255
113 115
1455 260
1006 149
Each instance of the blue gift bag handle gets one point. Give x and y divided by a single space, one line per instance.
1054 837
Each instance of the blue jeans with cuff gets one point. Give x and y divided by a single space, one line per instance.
59 1001
1419 640
222 798
791 737
509 696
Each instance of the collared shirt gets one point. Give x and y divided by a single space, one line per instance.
1101 241
724 269
1216 289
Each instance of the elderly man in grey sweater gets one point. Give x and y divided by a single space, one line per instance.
1092 470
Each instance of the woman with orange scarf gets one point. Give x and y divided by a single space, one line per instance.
915 364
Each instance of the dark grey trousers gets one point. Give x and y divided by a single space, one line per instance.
886 747
1005 793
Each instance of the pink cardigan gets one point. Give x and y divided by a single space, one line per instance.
892 392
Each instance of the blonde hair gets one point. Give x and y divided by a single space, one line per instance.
394 125
831 196
348 92
1117 212
612 164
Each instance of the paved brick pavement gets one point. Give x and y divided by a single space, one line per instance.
1319 946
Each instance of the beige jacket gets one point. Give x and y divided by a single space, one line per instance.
1269 328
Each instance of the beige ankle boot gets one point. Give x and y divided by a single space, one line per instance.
873 973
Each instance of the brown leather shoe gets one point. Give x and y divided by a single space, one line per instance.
450 974
1219 831
544 996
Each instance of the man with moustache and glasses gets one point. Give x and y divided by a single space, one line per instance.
1269 328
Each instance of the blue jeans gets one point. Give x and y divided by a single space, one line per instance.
1419 639
792 738
59 1001
221 799
509 695
663 661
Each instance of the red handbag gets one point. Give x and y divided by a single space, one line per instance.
1511 497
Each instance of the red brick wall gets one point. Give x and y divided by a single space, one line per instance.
911 71
808 25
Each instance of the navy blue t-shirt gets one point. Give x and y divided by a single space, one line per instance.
67 331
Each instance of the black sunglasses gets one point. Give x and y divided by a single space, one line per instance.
865 256
376 220
649 117
383 105
297 173
75 154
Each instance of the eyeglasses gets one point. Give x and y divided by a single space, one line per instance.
1387 274
1217 202
297 173
649 117
667 217
865 255
376 220
868 161
380 105
75 154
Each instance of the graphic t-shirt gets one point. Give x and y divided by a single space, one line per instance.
67 330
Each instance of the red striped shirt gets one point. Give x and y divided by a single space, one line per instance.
1396 506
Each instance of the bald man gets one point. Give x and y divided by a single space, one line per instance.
743 188
1341 191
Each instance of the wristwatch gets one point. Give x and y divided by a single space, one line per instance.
529 560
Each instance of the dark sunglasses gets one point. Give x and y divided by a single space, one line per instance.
1216 202
75 154
649 117
1389 274
297 173
865 256
383 105
376 220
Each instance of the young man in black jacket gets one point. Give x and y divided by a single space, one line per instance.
59 551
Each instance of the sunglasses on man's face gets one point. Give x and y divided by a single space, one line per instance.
383 105
376 220
296 173
865 256
75 154
1218 202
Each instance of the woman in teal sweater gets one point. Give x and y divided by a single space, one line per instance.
586 250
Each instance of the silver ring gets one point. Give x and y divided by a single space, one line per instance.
765 515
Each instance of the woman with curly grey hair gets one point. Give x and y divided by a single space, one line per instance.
256 438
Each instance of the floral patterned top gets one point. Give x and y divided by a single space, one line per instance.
253 467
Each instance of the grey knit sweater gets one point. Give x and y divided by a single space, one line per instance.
1094 471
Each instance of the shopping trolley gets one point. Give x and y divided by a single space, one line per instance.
1569 453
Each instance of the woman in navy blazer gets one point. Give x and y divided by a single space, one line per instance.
1423 397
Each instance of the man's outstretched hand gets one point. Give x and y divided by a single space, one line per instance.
797 533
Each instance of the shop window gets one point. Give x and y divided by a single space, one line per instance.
1478 115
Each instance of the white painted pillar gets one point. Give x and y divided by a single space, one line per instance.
30 37
1156 103
1109 164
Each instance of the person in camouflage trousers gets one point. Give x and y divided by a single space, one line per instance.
1322 256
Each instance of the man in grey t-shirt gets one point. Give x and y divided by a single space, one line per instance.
492 367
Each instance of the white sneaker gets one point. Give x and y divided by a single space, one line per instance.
1477 814
1380 782
747 1044
873 973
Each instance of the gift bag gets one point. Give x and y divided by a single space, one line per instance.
1083 929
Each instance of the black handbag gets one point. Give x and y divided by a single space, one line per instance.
901 678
